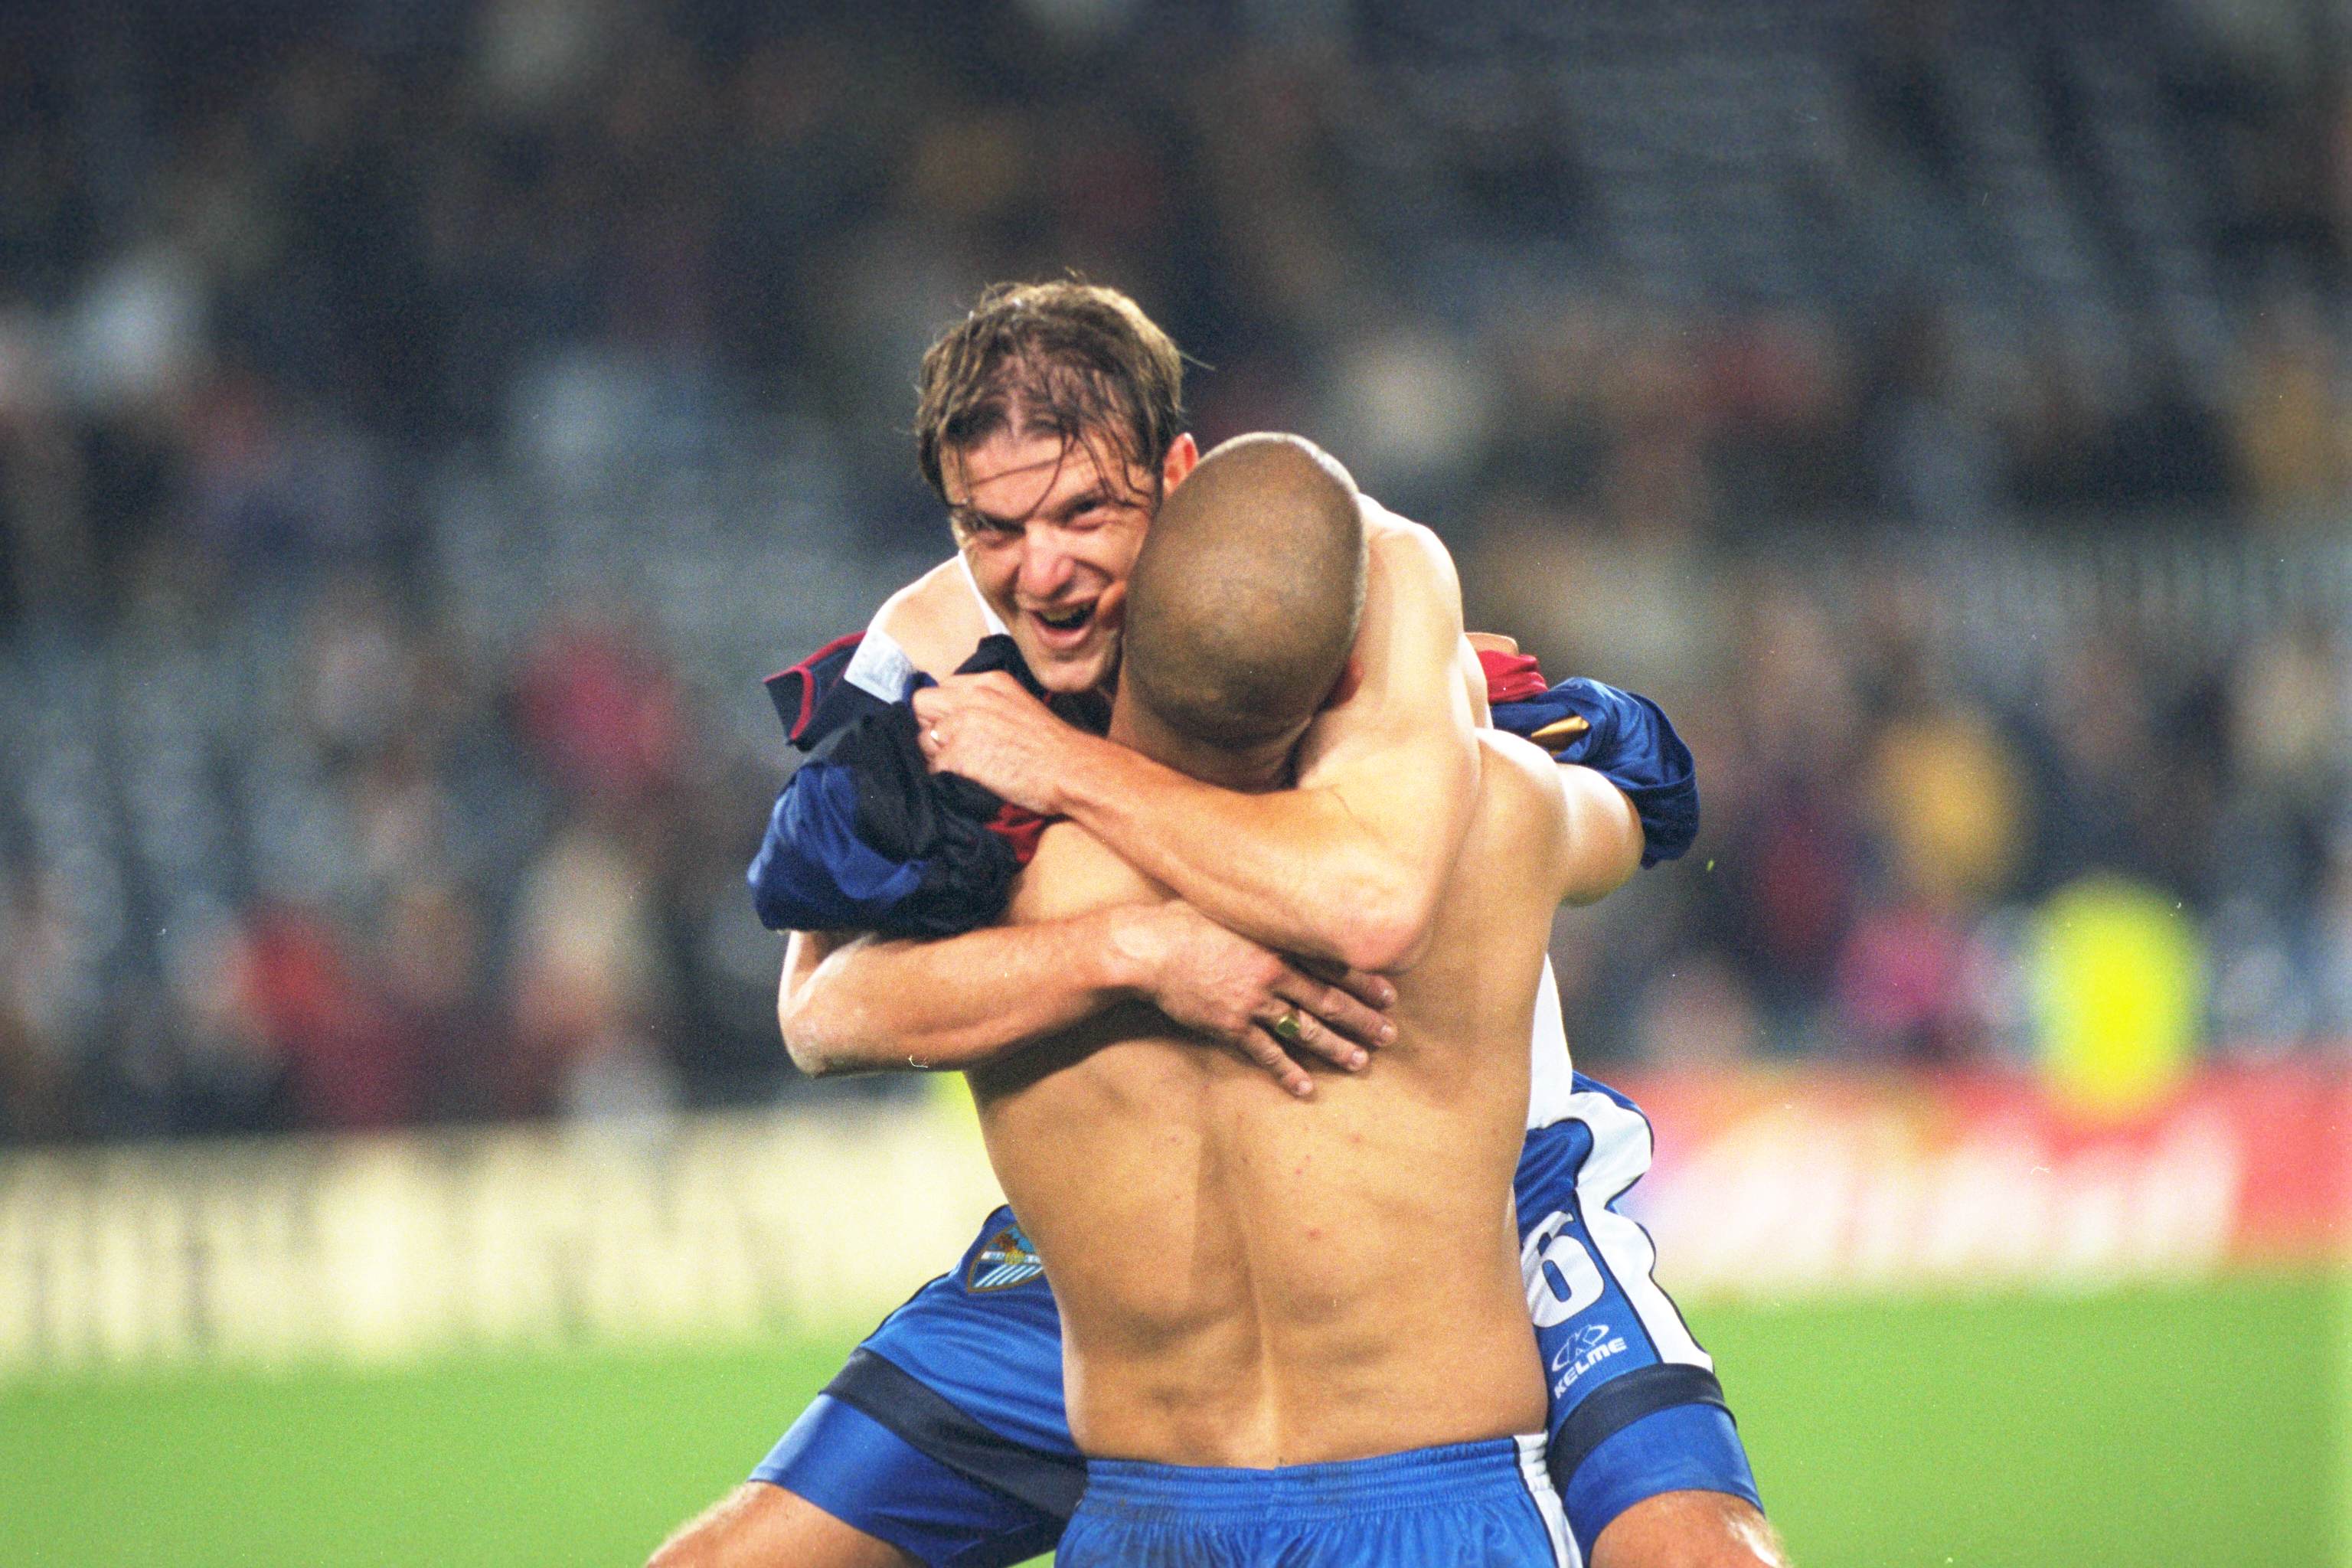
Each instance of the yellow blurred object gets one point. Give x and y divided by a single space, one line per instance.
950 1094
1950 802
2118 980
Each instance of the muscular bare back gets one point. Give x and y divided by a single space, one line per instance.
1248 1279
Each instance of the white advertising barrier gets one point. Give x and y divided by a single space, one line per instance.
1771 1185
1810 1180
380 1247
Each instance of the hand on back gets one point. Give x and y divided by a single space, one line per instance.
1269 1010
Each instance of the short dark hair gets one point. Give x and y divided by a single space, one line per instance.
1246 598
1066 358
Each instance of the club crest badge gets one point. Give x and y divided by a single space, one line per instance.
1004 1259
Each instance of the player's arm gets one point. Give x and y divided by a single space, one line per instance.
1621 735
1579 836
1346 867
860 1003
854 1002
1601 838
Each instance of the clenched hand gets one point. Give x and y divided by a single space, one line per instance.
988 729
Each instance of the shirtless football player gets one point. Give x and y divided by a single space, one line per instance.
1296 1333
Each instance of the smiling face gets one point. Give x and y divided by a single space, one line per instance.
1051 527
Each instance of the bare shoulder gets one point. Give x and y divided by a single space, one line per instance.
1409 555
1572 830
934 619
1072 873
1517 775
1520 825
1410 588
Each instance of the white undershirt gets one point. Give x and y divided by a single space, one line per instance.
994 621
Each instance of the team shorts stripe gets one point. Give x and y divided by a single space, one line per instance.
1547 1506
892 1396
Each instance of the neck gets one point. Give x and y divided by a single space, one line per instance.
1252 770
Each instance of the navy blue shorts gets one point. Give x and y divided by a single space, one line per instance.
1467 1505
966 1378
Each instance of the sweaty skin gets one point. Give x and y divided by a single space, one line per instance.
1246 1281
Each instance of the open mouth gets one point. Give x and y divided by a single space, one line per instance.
1069 624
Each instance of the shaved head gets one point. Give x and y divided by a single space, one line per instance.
1245 600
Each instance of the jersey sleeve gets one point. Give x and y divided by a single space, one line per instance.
864 835
1621 735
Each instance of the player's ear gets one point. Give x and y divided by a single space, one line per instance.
1351 676
1184 454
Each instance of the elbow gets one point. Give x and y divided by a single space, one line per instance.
808 1058
806 1041
1382 945
1383 920
830 1037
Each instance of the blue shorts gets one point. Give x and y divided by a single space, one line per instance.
945 1434
1469 1505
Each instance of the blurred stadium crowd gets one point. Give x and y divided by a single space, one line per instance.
422 422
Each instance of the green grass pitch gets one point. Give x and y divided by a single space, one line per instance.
2203 1426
